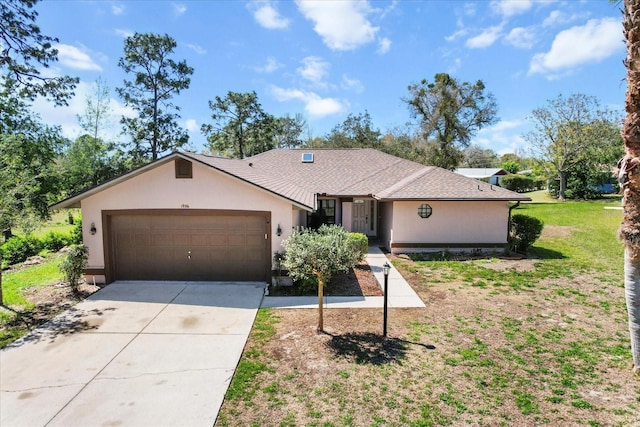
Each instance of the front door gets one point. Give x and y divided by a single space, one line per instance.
363 217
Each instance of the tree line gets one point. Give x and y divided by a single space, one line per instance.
573 143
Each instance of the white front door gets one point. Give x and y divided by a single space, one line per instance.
363 217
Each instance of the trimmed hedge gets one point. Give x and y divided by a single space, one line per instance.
521 183
359 243
523 232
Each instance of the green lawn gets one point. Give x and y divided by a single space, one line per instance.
58 223
582 233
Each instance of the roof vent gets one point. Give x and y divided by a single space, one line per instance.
307 157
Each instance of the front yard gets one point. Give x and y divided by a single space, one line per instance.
501 342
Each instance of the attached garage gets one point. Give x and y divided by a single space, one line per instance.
197 245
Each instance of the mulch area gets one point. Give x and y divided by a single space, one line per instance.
359 281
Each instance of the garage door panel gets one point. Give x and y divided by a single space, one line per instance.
199 240
223 247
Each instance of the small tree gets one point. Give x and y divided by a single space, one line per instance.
73 265
320 253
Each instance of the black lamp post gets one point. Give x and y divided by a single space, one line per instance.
385 269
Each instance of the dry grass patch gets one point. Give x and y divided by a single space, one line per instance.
521 344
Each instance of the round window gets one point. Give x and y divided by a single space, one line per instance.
424 211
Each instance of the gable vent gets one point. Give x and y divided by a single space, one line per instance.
307 157
184 168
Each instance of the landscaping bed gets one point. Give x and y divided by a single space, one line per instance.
359 281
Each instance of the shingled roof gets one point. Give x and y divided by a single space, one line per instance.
368 172
335 172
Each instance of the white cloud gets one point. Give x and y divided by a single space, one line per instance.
343 25
484 39
268 17
384 45
314 104
67 117
352 84
521 37
558 17
123 32
191 125
314 69
508 8
269 66
454 66
117 9
592 42
179 8
503 137
458 34
196 48
73 57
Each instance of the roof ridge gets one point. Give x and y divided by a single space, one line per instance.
406 181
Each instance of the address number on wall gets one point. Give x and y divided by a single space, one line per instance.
184 206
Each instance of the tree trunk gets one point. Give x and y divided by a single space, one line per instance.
320 297
563 185
629 176
632 295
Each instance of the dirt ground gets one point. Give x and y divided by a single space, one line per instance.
556 354
49 300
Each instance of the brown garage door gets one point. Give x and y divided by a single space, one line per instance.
190 247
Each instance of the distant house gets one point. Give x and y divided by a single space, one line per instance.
196 217
490 175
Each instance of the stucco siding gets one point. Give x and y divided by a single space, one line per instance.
159 189
386 222
451 223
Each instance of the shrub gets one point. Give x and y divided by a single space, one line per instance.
308 284
76 233
523 232
18 249
74 263
70 218
518 183
55 241
359 244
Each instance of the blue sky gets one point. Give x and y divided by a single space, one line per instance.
328 59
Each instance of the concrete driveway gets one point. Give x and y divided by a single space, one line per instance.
134 353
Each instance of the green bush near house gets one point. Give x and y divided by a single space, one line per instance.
524 231
359 244
74 263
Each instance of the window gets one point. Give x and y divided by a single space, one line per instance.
183 169
326 214
424 210
307 157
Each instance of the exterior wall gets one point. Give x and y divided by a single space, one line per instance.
347 215
385 223
451 225
298 218
159 189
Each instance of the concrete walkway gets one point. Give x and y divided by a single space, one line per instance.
401 294
132 354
